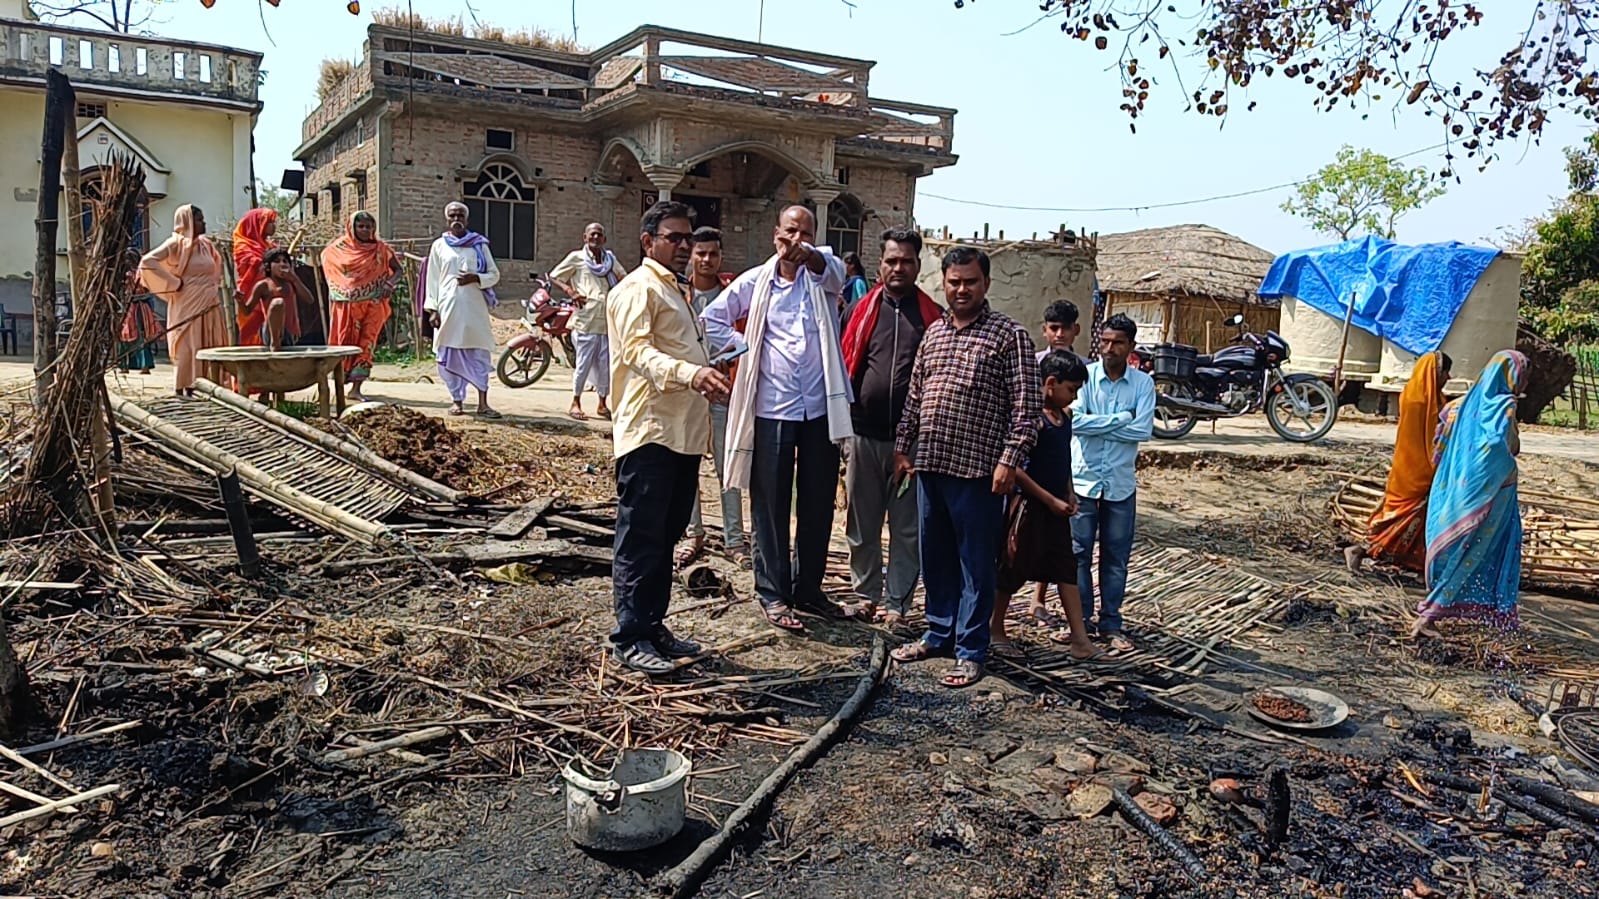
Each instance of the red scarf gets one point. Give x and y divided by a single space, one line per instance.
858 333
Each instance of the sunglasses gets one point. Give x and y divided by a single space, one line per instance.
677 238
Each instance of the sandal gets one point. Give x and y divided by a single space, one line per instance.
689 551
489 414
965 673
915 651
780 616
1005 649
603 414
455 411
576 415
1120 644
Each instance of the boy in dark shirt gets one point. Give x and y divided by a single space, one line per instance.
1038 532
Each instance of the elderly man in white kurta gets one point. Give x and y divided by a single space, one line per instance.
460 280
789 412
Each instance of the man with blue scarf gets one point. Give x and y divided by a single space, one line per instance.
460 276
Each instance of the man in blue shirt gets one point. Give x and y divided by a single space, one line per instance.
1114 413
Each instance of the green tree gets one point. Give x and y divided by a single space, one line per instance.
270 196
1560 273
1535 61
1361 192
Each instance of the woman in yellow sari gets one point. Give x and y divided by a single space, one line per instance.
1397 532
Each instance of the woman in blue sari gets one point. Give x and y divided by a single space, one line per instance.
1473 518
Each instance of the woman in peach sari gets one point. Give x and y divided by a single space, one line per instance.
1397 532
186 273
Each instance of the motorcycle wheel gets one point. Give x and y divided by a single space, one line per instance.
523 365
1168 424
1304 410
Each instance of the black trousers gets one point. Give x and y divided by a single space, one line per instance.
655 489
784 450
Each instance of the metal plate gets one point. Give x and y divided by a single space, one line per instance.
1326 710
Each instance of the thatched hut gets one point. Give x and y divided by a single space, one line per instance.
1180 283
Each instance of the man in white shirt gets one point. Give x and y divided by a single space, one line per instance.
789 411
587 276
459 292
1114 412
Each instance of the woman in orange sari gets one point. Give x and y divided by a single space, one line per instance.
252 238
1397 532
362 272
186 272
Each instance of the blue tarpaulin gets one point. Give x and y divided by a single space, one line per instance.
1408 295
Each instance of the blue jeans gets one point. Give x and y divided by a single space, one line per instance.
1112 524
962 524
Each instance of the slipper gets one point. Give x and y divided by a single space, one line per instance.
780 616
915 651
1046 619
963 675
603 415
489 414
576 415
1121 644
1064 638
453 412
1005 649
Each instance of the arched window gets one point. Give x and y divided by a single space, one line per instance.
141 223
844 225
501 208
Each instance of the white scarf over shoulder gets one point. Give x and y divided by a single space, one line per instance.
741 407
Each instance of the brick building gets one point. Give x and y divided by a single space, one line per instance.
540 142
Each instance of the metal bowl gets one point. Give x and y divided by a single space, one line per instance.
1326 710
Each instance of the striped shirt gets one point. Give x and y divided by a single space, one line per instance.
974 398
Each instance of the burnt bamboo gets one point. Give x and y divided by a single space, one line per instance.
1182 855
347 450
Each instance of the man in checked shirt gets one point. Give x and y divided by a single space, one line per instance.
970 420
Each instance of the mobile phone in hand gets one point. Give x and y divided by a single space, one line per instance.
730 355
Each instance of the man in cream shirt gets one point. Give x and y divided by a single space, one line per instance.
587 276
664 383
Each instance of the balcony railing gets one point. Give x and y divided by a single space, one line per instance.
729 69
125 62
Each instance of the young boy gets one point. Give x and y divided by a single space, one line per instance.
1060 328
1038 532
278 289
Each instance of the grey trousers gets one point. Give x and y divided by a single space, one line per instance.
732 500
866 476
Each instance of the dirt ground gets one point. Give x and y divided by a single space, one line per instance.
935 793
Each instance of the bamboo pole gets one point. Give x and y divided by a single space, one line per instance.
266 486
1343 347
351 452
58 102
58 805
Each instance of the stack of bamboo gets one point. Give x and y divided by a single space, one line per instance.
1560 534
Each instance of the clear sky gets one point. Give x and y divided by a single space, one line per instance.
1038 123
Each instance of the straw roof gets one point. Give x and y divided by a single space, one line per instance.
1194 260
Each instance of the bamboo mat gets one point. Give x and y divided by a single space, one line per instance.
281 456
1559 534
1183 611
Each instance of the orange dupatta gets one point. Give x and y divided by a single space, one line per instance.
1398 529
250 246
359 270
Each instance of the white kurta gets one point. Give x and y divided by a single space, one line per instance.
462 308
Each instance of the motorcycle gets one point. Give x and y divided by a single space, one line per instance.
547 322
1242 378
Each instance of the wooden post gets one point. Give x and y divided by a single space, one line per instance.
58 111
1343 347
239 523
1208 350
230 285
